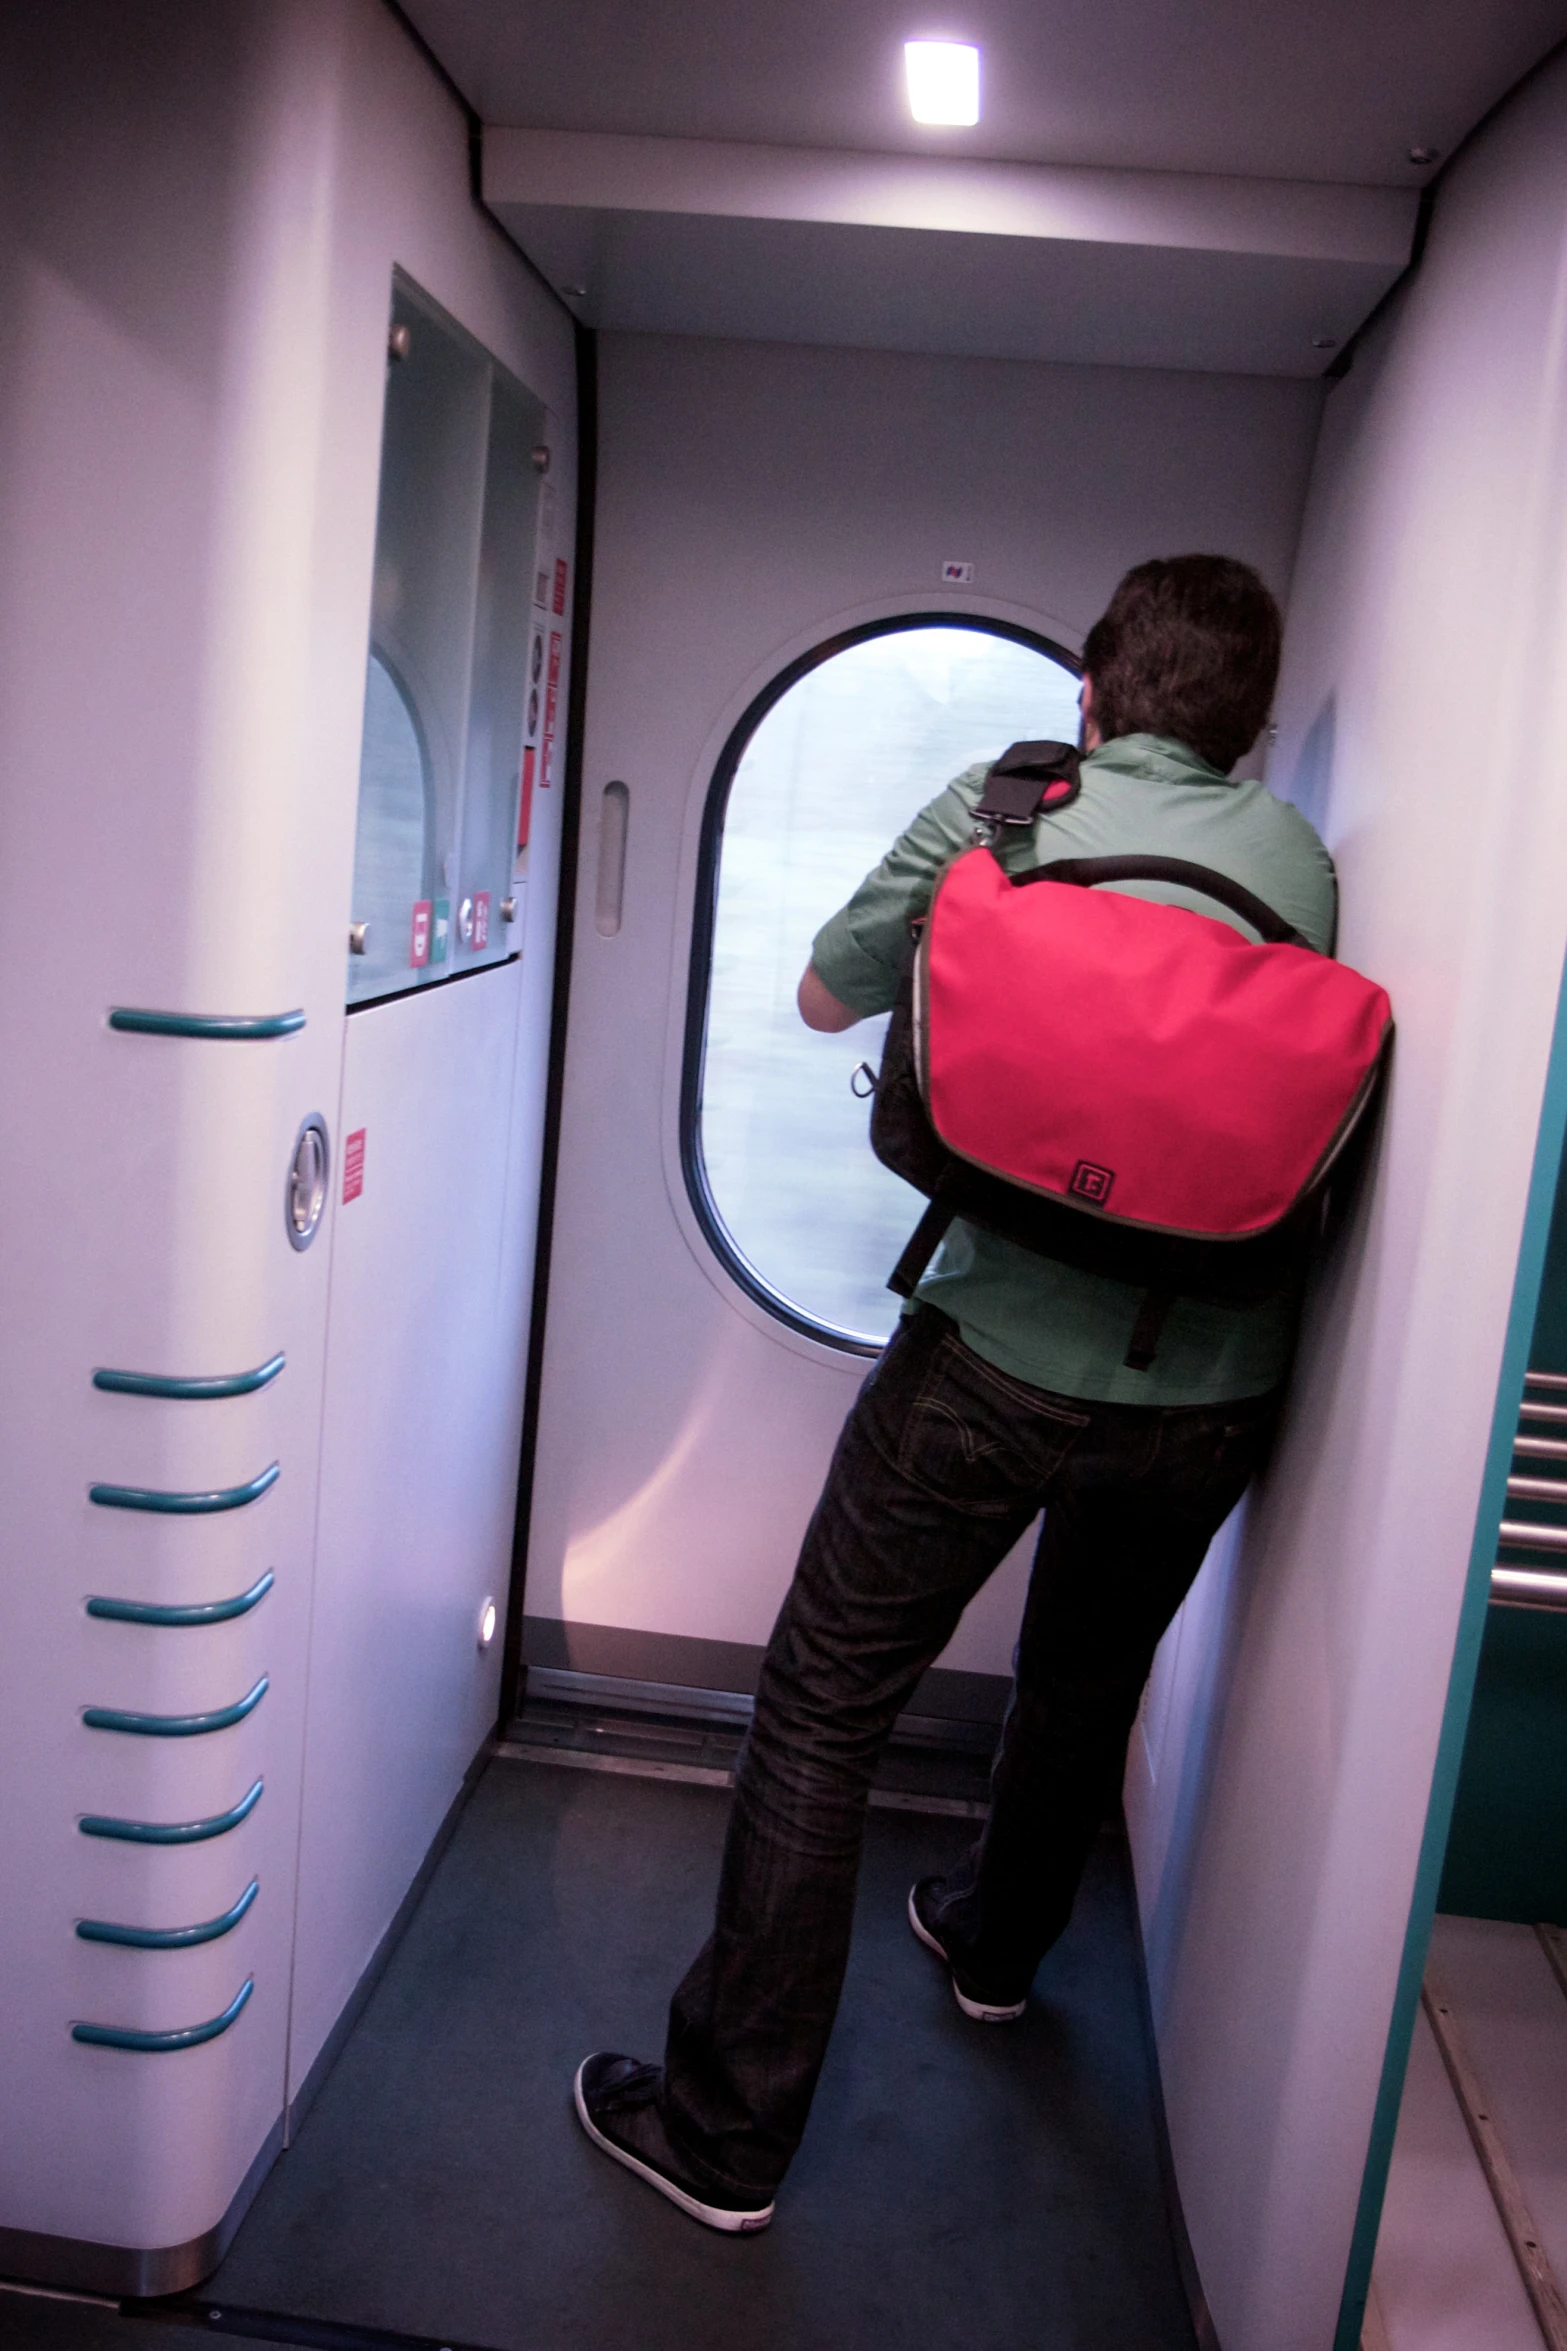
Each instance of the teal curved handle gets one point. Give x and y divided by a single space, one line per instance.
198 1612
113 2036
222 1025
103 1930
171 1832
184 1505
154 1383
176 1726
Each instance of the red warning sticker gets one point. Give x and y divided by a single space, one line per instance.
525 807
551 708
354 1164
419 937
559 604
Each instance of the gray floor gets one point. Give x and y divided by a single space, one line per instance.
959 2186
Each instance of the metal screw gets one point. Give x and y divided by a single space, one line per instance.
358 938
398 343
574 293
541 458
1424 155
1324 342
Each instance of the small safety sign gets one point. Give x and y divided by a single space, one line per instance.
525 805
481 918
440 930
957 575
353 1164
559 604
551 708
419 938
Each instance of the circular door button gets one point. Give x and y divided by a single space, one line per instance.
304 1194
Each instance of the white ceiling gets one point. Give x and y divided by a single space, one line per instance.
1325 90
722 167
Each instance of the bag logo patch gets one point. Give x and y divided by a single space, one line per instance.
1092 1183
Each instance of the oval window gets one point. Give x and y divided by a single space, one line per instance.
824 771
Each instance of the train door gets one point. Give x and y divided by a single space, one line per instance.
781 677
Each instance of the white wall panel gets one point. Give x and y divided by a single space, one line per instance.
752 500
202 208
1420 718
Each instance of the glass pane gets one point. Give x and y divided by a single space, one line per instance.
834 772
391 846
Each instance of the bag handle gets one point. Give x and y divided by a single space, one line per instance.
1086 871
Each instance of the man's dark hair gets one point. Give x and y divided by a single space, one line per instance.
1188 646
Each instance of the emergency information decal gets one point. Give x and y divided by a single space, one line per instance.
354 1164
419 937
551 706
481 918
525 809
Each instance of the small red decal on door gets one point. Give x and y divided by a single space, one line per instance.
525 809
354 1164
551 708
419 937
559 604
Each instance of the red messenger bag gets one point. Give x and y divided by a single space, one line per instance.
1125 1085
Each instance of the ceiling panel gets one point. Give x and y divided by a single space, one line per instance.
1333 90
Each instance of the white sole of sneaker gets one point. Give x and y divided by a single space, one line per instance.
981 2011
712 2216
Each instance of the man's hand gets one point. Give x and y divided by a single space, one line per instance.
820 1008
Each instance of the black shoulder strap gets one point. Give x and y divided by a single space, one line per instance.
1028 780
1086 871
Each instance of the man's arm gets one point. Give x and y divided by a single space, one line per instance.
820 1008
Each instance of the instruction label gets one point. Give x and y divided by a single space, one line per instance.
559 604
525 805
353 1164
419 936
551 710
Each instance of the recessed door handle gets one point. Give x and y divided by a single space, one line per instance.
614 818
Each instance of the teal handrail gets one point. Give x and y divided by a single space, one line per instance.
198 1612
221 1025
113 2036
176 1726
184 1505
155 1383
103 1930
171 1832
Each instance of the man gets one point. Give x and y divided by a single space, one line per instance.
1005 1389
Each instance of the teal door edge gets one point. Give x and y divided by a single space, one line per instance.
1461 1681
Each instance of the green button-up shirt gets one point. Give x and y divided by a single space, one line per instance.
1044 1322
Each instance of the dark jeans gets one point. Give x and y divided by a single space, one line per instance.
942 1464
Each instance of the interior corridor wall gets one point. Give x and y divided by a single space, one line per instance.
1280 1792
753 500
200 209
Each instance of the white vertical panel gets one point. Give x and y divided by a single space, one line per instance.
1420 717
201 214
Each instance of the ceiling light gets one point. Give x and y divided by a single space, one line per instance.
943 81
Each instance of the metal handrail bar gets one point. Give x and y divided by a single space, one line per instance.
1532 1535
196 1612
157 1383
1537 1489
224 1026
176 1726
103 1930
1551 1412
191 2036
1527 1587
184 1505
172 1832
1540 1448
1545 1379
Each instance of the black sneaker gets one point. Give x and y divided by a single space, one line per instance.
617 2105
981 2004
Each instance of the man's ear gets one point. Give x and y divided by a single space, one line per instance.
1088 736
